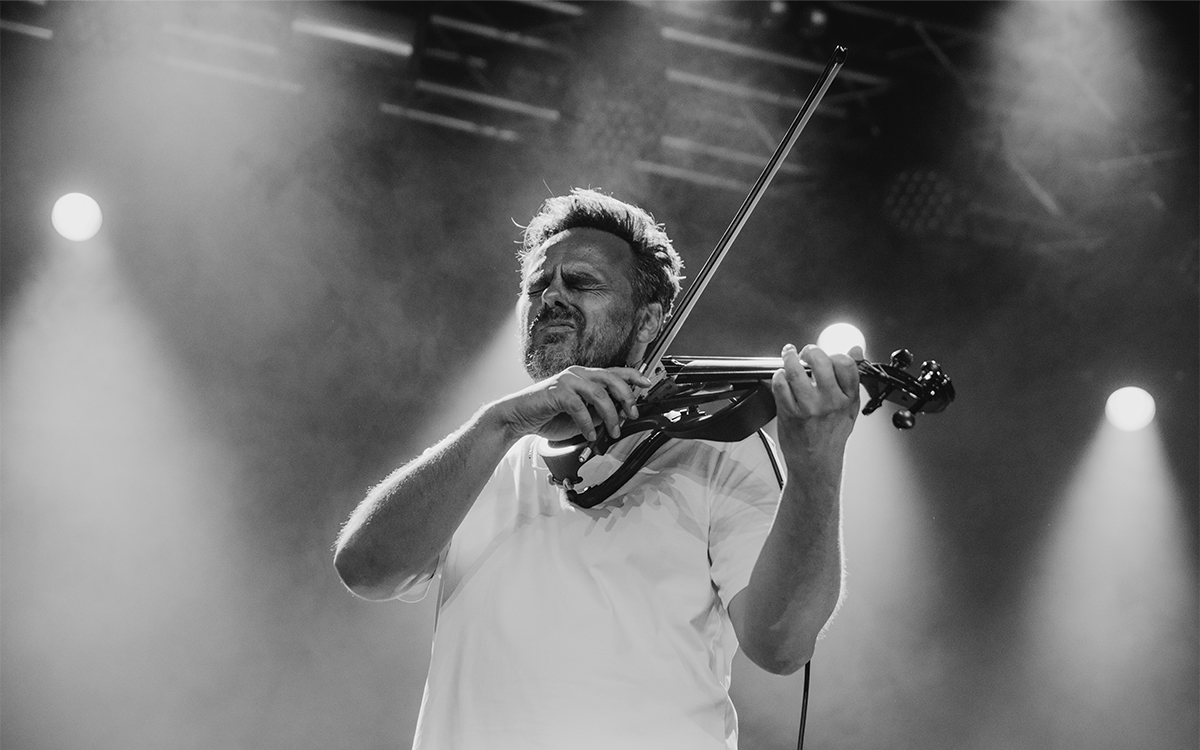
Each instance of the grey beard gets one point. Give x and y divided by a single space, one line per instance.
591 349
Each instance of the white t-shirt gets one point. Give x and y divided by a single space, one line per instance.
566 628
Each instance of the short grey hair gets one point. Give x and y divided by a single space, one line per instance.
658 269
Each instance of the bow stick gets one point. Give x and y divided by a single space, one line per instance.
651 365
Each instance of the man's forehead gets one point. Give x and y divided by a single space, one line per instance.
585 245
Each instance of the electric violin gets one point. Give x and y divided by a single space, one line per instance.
727 399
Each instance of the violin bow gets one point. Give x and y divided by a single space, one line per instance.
652 364
569 455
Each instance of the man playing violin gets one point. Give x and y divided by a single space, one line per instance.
613 626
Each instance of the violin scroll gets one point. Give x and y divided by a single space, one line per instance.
929 392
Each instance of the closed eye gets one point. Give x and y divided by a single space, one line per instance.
574 280
581 280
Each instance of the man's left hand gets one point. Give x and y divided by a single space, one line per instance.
817 406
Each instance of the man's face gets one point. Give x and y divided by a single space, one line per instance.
576 304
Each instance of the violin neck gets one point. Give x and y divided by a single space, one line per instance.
687 370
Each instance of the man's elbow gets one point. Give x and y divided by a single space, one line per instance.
357 575
780 661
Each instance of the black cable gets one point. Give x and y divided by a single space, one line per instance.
804 707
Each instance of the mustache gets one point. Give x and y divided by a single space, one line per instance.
550 315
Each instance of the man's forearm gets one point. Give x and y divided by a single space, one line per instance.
797 579
406 521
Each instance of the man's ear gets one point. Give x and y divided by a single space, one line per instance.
650 322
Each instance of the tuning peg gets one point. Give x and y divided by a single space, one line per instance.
904 419
902 358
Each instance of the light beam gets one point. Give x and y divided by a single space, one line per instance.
1111 628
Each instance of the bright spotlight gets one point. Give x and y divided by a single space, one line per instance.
839 338
1130 408
76 216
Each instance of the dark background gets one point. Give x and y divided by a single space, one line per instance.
295 291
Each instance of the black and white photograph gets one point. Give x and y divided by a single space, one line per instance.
599 375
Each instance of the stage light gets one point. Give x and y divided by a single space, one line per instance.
813 23
76 216
1130 408
839 338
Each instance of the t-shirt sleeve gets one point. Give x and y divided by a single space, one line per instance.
744 493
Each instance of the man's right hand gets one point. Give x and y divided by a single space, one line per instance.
575 401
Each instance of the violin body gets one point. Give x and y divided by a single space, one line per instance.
726 399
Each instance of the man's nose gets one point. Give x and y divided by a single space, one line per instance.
555 293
